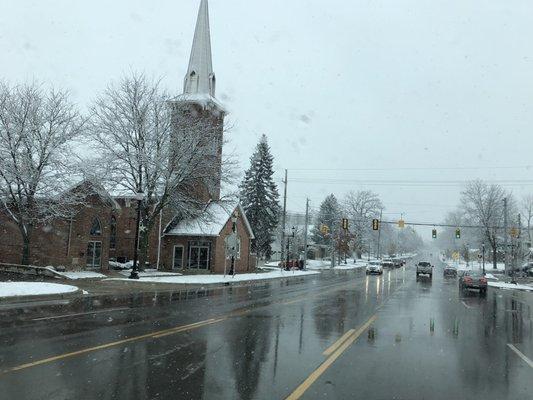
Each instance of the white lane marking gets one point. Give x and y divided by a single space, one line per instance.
466 305
521 355
78 314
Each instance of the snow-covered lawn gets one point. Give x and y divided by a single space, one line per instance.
81 275
503 285
210 279
10 289
350 266
461 266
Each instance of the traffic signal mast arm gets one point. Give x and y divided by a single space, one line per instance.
442 225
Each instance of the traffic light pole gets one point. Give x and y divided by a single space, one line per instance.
379 234
305 231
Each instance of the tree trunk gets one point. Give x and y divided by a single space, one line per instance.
494 256
25 246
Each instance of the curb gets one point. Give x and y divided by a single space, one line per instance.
40 297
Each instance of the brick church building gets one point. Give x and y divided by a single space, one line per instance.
103 228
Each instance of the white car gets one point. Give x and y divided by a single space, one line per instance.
374 267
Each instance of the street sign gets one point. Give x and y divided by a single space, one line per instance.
375 224
231 245
480 256
455 255
514 232
324 229
401 223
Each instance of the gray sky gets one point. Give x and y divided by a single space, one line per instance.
335 84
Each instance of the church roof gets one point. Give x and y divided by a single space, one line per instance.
211 222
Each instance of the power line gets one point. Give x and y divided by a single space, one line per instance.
413 168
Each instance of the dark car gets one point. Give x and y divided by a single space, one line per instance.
473 280
450 272
397 262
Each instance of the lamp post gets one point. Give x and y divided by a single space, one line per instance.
234 218
134 270
483 256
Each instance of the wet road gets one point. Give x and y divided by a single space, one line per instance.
337 335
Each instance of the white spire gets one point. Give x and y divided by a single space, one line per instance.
200 78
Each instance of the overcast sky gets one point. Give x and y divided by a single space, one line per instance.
426 91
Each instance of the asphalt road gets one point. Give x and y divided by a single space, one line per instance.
339 335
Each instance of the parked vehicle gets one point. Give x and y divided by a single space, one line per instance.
387 263
473 280
374 267
449 272
424 268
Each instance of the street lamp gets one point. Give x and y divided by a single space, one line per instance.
483 256
139 196
234 218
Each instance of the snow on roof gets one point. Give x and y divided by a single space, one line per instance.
212 221
203 99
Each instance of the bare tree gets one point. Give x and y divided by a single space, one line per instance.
527 209
483 205
37 129
134 128
360 208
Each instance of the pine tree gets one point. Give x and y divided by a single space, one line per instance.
259 198
329 215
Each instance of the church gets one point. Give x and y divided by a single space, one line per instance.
103 229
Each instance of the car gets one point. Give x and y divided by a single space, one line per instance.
527 269
449 272
397 262
424 268
473 280
387 263
374 267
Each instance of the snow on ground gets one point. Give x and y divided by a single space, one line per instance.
461 266
503 285
10 289
147 273
81 275
351 266
210 279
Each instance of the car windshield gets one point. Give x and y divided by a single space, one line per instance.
213 199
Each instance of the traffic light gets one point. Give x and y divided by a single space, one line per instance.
458 233
401 223
345 224
375 224
434 234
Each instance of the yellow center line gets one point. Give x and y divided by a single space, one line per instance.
335 345
162 333
300 390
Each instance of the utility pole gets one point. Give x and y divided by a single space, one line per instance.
284 217
505 249
379 233
305 231
483 255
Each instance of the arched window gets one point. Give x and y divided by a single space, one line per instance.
113 233
96 228
212 84
192 83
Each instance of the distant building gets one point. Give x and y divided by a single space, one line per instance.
105 228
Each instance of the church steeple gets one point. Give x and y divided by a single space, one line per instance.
200 78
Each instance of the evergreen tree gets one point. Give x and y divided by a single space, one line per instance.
328 214
259 198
